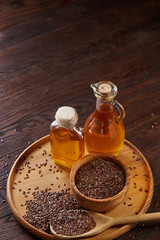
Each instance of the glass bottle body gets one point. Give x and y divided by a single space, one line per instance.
103 131
67 145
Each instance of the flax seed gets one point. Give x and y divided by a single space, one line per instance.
100 179
51 207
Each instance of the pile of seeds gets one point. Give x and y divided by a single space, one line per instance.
100 179
72 222
50 205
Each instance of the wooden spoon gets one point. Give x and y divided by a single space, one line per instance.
103 223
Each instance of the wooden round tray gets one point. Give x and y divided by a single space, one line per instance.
137 200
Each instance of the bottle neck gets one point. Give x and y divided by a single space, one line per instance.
104 107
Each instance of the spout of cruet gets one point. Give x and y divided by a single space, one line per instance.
93 86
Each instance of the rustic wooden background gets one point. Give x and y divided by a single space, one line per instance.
50 52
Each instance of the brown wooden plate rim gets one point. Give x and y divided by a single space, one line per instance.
44 235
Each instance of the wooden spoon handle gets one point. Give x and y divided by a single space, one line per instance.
137 218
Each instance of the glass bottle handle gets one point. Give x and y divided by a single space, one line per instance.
120 109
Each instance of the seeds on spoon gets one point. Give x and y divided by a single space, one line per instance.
72 222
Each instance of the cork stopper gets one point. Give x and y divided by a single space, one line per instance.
105 88
66 117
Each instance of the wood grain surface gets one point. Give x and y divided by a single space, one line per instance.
50 52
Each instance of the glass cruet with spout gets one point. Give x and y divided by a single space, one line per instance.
104 130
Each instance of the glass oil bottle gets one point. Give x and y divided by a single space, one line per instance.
67 142
104 130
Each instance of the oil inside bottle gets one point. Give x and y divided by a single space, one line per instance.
67 144
104 129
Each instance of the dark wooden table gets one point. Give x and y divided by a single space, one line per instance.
50 52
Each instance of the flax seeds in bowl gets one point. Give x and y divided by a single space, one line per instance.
99 182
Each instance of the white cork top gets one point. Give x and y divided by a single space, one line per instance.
105 88
66 117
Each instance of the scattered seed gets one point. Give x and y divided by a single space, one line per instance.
135 175
3 164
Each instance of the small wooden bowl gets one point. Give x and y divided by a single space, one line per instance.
99 205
